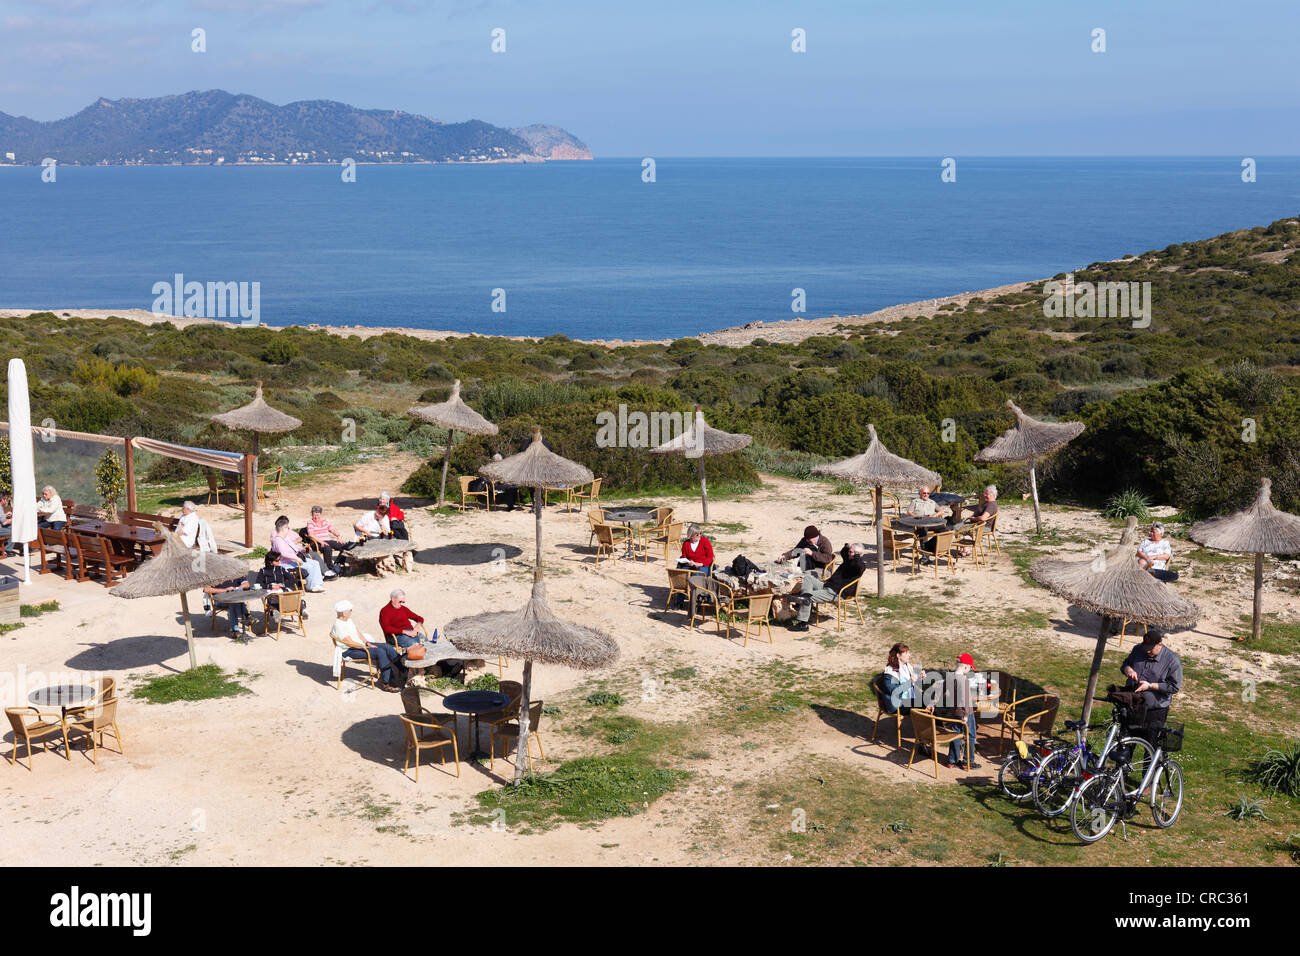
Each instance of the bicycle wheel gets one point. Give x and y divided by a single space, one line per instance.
1053 784
1139 762
1167 794
1015 778
1096 808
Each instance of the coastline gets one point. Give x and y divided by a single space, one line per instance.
781 330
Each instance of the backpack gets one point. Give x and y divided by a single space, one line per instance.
742 567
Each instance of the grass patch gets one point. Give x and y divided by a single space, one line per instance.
683 673
604 698
585 790
1275 637
36 610
200 683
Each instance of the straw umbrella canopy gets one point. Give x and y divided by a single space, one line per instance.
1259 530
177 570
534 634
699 440
259 418
1113 585
1028 441
455 416
538 468
879 467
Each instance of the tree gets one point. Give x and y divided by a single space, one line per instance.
110 481
6 468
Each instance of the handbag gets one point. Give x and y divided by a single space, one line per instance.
416 652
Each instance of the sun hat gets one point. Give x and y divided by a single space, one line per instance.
341 606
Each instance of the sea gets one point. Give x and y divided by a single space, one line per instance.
606 249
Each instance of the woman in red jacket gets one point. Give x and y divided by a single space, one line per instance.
696 551
396 516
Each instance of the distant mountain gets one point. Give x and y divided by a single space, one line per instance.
216 127
551 142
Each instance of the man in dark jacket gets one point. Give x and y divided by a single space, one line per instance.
1155 672
815 590
814 550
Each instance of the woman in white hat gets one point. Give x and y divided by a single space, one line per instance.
388 659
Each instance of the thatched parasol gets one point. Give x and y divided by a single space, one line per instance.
1113 585
699 440
534 634
1259 530
259 418
455 416
879 467
537 467
178 569
1028 441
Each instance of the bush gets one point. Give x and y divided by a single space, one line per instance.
1070 402
1126 503
1072 368
1278 770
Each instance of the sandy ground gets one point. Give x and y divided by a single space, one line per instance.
282 776
787 330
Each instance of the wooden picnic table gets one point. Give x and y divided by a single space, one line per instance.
129 535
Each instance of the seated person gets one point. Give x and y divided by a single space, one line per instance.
238 611
387 659
981 513
288 549
188 525
374 524
399 623
815 590
902 681
923 506
1155 553
814 550
326 537
509 494
6 523
49 510
396 516
274 578
697 552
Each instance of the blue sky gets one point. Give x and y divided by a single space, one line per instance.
710 78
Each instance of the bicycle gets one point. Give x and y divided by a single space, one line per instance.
1056 783
1108 797
1016 775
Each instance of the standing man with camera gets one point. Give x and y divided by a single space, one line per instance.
1155 672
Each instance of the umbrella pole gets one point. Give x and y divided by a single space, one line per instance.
521 760
538 498
257 454
1033 488
446 460
189 630
704 491
27 563
1093 674
1255 622
880 544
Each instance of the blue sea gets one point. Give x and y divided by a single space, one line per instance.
590 250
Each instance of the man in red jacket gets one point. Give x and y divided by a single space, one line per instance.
401 626
396 517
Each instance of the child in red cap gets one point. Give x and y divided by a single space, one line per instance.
965 706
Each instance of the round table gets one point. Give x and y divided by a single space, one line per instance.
226 598
473 703
443 650
628 517
948 499
934 523
63 696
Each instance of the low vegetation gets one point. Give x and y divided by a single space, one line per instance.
206 682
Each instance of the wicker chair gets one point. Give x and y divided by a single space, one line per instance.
672 539
416 741
896 542
592 495
608 538
465 482
513 690
1037 724
945 542
510 729
663 517
94 722
678 583
928 733
595 516
214 488
343 663
758 614
878 685
290 607
42 727
843 600
714 592
973 537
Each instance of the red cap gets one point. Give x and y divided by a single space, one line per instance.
967 660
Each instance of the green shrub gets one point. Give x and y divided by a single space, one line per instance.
1278 770
1129 502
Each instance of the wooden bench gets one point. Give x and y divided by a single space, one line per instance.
142 519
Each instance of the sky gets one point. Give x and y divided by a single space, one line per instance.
710 77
